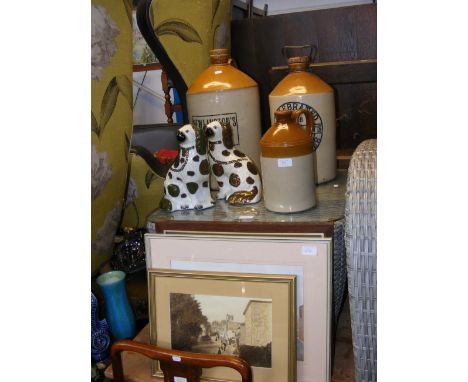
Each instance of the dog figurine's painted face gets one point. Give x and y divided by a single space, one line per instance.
213 131
187 136
187 182
237 175
216 132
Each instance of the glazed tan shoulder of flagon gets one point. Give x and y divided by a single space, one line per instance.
220 76
286 138
297 83
299 80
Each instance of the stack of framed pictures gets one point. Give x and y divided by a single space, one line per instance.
264 298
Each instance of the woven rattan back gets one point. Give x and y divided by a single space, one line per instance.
361 256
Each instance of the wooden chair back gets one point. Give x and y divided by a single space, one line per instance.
176 363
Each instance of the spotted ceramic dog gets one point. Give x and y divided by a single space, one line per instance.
187 183
237 175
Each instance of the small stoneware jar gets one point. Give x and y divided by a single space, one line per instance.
287 163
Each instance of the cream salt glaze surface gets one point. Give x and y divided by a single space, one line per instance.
288 163
303 90
225 94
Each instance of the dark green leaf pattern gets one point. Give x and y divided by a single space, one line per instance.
128 9
127 146
149 178
126 89
179 28
108 103
151 13
94 124
215 5
136 213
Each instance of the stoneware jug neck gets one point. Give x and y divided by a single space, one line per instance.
219 56
298 64
283 116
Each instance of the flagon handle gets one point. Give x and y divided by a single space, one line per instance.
299 50
309 120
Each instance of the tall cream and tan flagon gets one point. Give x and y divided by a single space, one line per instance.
303 90
224 93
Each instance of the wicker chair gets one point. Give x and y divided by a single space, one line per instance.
361 256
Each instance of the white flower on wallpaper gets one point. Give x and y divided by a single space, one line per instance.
106 233
101 171
103 46
132 192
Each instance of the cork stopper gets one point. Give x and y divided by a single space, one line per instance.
298 63
219 56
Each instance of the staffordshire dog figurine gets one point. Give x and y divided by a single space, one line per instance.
237 175
187 183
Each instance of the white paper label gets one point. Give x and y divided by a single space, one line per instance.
176 359
309 251
285 162
245 217
180 379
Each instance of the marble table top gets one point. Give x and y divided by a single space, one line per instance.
330 207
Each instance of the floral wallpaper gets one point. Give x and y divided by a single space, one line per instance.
111 120
101 172
189 29
103 45
144 192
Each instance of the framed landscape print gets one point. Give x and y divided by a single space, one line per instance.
306 257
250 316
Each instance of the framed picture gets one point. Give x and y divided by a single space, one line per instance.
307 257
250 316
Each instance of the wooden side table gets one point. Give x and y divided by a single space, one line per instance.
326 219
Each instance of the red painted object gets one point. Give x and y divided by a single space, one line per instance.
165 156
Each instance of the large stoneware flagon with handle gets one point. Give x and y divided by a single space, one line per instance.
288 163
303 90
225 94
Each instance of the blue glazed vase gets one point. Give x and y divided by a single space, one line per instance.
119 314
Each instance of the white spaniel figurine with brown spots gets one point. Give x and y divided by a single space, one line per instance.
237 175
187 183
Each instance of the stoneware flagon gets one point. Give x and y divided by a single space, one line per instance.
237 175
226 94
301 89
187 183
119 314
288 163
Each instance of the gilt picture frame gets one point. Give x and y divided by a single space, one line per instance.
306 256
251 316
